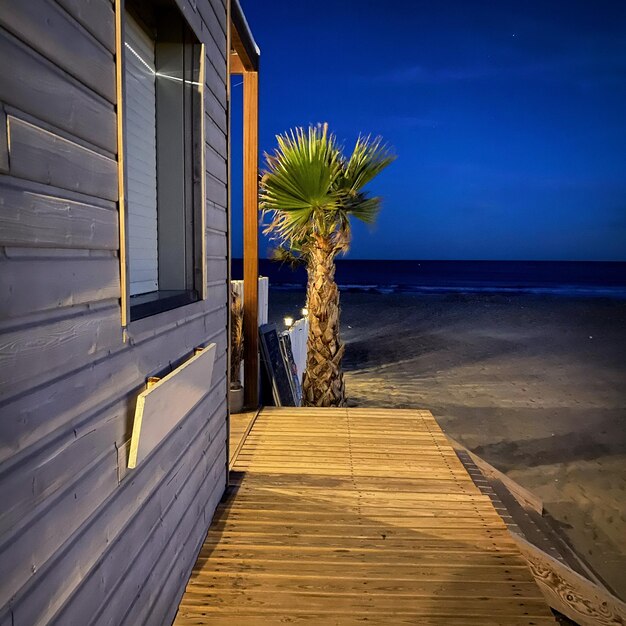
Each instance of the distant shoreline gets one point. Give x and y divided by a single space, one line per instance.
561 278
567 291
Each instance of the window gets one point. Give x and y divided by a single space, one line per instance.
163 146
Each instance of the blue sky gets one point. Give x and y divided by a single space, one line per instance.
508 119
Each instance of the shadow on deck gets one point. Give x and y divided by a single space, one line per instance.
352 516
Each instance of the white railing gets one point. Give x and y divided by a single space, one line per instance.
298 334
264 286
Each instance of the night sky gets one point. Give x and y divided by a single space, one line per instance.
508 118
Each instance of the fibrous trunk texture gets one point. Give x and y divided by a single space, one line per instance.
323 379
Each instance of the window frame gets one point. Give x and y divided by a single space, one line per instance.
152 304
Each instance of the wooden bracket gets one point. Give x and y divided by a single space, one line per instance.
568 592
166 401
4 141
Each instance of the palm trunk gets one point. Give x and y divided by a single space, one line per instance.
323 380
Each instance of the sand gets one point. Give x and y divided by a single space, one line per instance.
536 385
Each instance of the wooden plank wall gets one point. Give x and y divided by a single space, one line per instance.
79 545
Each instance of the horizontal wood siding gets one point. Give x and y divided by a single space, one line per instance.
30 288
84 540
59 36
45 157
30 216
215 193
96 16
39 87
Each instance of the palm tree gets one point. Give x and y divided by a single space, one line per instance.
311 190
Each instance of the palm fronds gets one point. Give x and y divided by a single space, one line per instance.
368 159
287 256
299 184
310 188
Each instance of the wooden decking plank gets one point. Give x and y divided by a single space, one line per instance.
433 502
295 480
455 559
346 516
443 544
196 616
328 460
363 471
337 447
381 497
310 451
323 457
374 437
396 435
312 478
394 527
391 604
400 470
354 511
323 583
307 503
316 455
347 428
334 568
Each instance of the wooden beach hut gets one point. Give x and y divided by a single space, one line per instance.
114 147
115 439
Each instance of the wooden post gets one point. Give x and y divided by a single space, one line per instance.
251 237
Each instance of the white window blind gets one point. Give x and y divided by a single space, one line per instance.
140 138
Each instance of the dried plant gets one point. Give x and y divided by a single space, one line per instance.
236 338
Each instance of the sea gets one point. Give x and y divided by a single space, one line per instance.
566 278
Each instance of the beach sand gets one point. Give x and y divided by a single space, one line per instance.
536 385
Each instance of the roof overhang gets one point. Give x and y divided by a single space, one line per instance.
244 51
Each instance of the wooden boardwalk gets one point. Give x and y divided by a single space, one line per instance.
356 516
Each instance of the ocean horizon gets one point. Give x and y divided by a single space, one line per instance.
567 278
